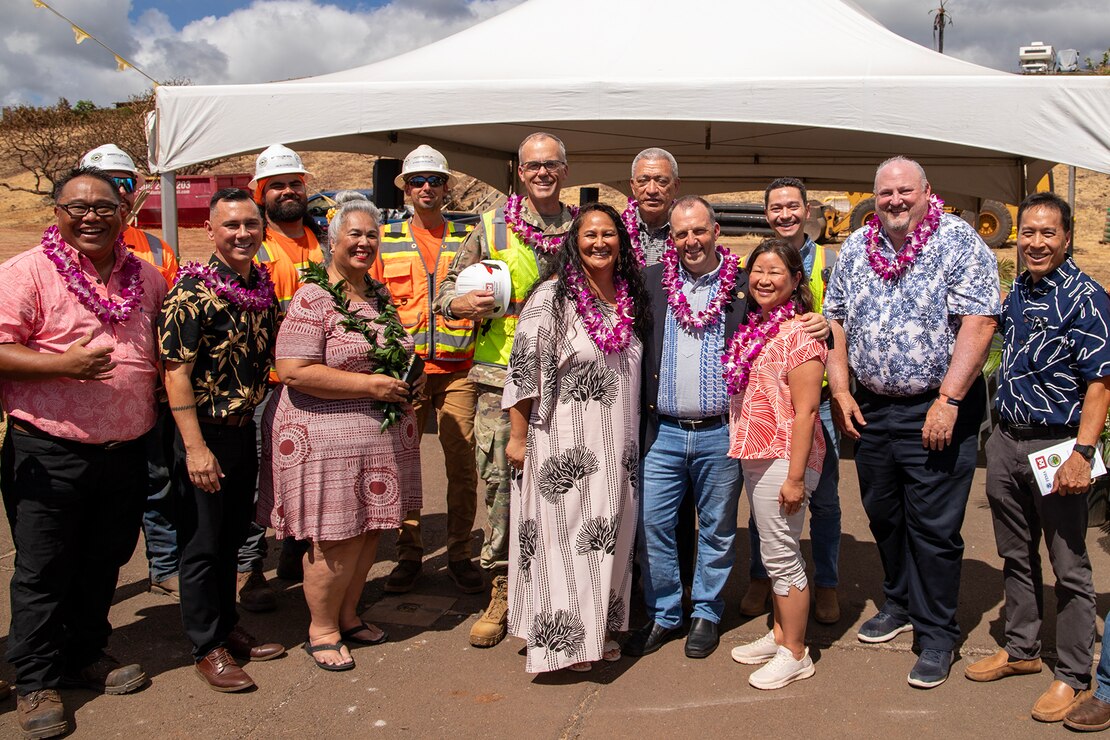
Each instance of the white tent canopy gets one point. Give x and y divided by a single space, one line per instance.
739 92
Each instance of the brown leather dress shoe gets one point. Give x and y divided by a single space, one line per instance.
220 671
106 675
1001 665
1057 701
243 644
1090 716
41 714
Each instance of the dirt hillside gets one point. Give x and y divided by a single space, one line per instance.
23 216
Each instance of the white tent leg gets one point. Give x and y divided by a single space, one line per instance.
169 211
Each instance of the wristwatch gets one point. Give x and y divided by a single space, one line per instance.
1087 451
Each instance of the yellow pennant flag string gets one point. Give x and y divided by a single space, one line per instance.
80 34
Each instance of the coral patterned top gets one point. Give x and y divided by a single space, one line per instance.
761 419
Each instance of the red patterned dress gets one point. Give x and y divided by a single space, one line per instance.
327 472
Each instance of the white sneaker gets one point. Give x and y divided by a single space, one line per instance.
782 670
756 652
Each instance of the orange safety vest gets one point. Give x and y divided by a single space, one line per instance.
149 248
284 274
412 285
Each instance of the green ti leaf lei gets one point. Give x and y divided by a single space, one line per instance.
388 357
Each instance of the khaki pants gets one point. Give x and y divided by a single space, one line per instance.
454 397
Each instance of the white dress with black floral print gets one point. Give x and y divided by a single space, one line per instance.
573 512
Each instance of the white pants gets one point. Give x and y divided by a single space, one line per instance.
779 535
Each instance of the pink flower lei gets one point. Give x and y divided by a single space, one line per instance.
631 218
608 340
680 307
256 299
746 344
108 310
528 233
892 269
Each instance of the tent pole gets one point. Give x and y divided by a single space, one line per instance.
1071 204
510 179
169 211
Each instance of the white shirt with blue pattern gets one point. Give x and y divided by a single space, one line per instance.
901 333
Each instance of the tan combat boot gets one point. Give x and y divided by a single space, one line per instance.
491 626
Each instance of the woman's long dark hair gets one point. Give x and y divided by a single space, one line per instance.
627 268
792 258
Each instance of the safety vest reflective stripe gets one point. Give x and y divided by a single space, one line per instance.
816 281
155 245
495 337
412 285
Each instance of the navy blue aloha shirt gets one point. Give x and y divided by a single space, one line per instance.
901 332
1054 343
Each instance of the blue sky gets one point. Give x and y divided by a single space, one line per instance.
181 12
233 41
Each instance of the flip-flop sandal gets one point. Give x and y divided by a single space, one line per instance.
612 652
313 649
348 635
583 667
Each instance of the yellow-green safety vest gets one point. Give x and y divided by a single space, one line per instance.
495 337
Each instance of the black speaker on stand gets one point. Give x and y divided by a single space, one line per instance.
386 194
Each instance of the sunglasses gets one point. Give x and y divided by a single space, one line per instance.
436 181
126 183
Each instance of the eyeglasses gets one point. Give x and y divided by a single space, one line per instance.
80 210
550 165
126 183
436 181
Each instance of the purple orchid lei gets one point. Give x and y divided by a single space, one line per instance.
528 233
631 218
680 307
892 269
748 341
260 298
108 310
608 340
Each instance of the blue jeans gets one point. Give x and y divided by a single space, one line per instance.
1102 676
824 514
158 516
681 459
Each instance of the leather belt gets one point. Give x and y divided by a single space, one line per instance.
1038 431
33 431
709 422
232 420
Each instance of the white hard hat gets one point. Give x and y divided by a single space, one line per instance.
109 158
492 275
277 160
423 159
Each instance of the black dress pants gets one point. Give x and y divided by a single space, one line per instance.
210 529
915 501
75 512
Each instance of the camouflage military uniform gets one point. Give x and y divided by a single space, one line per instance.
491 424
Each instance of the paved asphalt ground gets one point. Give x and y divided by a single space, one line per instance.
429 682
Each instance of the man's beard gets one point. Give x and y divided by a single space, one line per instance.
286 210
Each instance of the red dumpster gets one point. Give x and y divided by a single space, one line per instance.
193 193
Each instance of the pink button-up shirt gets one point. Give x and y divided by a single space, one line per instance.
39 312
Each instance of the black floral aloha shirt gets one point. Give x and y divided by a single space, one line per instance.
231 348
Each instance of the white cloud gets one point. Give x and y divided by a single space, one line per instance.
263 41
282 39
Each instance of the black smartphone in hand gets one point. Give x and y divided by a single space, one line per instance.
416 369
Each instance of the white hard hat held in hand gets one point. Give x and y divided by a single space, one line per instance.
277 160
109 158
423 159
491 275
